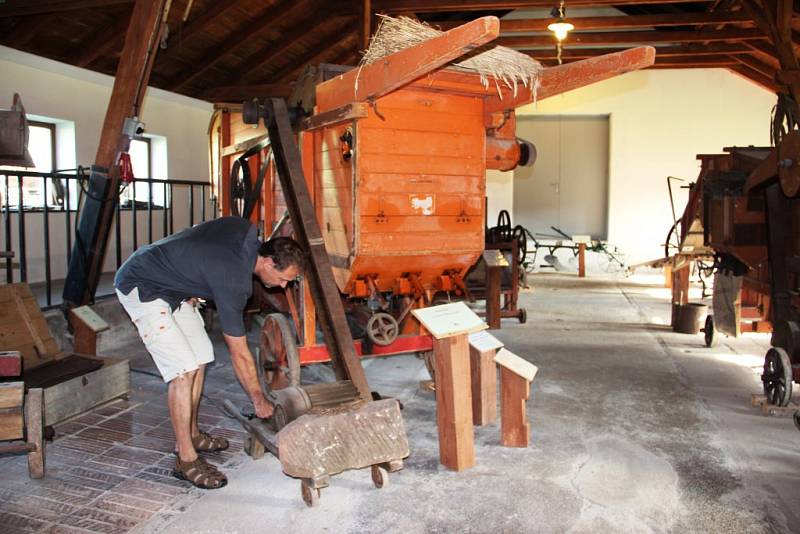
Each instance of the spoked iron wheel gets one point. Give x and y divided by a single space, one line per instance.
278 364
382 329
710 332
240 187
777 377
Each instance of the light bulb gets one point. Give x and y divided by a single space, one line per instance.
560 28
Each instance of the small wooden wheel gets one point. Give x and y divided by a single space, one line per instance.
710 333
380 476
254 448
310 494
278 361
522 316
382 329
777 377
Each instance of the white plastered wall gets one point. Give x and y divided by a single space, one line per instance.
80 97
659 121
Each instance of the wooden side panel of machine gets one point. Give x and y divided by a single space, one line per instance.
420 166
333 191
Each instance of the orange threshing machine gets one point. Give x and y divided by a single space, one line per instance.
394 157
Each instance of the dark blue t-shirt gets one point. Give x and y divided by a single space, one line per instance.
213 260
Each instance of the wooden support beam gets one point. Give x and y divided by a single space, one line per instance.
240 36
20 8
617 22
693 61
364 24
127 95
436 6
34 430
632 37
27 29
454 402
493 276
582 256
757 65
755 77
483 376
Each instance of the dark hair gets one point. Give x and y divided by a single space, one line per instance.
284 251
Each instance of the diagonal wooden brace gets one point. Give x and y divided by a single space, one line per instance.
307 232
403 67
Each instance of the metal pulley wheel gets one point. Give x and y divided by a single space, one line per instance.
777 377
519 236
278 361
241 187
382 329
709 332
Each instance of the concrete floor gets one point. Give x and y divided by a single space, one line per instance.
634 429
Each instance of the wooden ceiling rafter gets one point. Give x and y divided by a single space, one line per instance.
755 77
756 64
394 7
24 8
616 22
198 23
661 51
103 43
243 33
633 37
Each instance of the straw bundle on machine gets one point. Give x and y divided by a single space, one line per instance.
503 65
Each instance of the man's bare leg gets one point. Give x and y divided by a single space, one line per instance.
179 400
197 394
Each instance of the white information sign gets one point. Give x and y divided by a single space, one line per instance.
516 365
449 320
483 341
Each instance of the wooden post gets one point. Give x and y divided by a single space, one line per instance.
516 374
668 276
86 324
34 428
493 277
581 260
11 418
454 402
680 289
483 372
514 391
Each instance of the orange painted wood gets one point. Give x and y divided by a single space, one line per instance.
483 372
514 391
582 260
558 80
454 402
399 69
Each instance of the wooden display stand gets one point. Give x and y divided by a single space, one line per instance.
450 325
482 349
86 324
67 390
516 375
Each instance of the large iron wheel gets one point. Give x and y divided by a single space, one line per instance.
241 187
382 329
519 235
278 364
777 377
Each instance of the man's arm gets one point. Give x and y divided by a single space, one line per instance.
245 369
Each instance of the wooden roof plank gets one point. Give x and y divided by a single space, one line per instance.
627 21
19 8
437 6
317 53
661 51
633 37
201 21
103 42
755 77
241 35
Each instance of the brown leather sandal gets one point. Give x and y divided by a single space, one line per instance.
200 473
208 443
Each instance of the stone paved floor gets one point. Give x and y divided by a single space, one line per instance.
109 470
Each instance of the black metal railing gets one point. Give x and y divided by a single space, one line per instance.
39 213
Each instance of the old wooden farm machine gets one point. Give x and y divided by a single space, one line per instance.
394 155
745 205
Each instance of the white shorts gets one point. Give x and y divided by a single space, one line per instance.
177 340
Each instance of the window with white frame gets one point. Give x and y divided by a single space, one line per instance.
42 148
141 152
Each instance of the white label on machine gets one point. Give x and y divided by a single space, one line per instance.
423 204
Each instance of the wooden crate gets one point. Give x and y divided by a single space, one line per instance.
23 328
11 420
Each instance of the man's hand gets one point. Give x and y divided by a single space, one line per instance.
264 408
